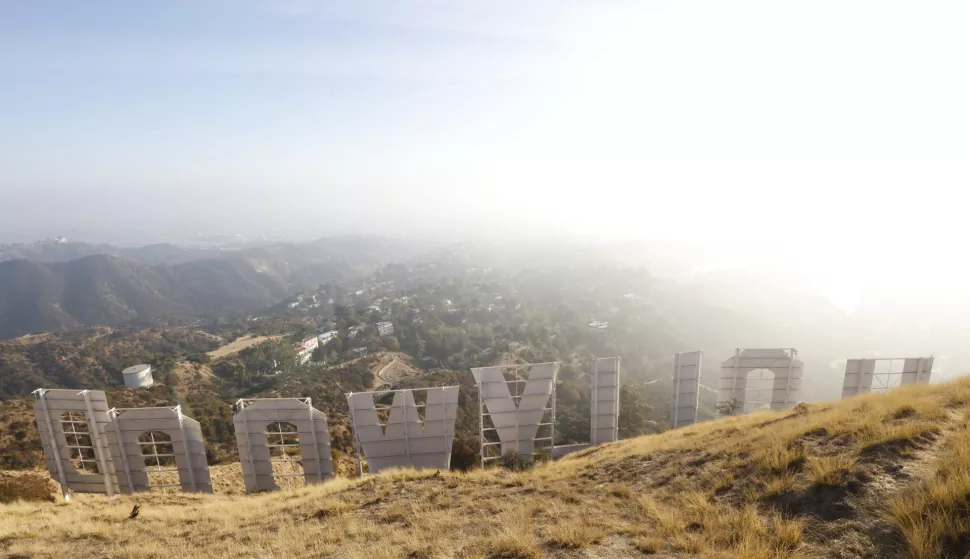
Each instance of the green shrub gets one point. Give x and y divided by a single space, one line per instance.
515 462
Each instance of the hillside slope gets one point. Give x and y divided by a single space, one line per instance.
108 290
93 358
43 289
877 476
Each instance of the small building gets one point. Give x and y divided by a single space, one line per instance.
303 355
352 332
138 376
304 349
326 337
310 343
384 328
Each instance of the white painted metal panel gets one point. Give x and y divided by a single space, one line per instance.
605 401
406 440
251 423
517 425
49 409
858 377
917 370
687 375
785 378
186 439
925 372
863 375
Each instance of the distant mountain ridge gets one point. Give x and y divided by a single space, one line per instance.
102 289
350 248
46 292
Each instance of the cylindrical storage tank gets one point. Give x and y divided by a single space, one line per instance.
138 376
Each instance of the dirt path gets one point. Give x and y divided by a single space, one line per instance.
380 374
239 345
866 532
396 369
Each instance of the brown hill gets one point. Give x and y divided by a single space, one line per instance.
108 290
880 476
43 289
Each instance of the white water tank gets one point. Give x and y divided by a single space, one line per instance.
139 376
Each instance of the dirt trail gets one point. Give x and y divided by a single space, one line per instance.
239 345
396 369
865 531
381 373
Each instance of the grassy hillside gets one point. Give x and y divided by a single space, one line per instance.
93 358
877 476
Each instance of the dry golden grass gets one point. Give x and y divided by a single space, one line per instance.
831 471
646 545
26 486
574 534
934 516
732 488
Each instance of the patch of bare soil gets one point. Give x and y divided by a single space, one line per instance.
240 344
394 367
850 521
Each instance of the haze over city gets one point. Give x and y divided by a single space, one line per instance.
827 138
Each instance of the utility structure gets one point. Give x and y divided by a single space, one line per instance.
138 376
881 374
272 431
761 378
687 378
404 439
516 407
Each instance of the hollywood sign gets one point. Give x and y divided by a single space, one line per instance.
91 448
759 379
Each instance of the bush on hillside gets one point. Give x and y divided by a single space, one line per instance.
200 358
515 462
464 452
24 487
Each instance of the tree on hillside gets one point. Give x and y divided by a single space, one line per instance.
347 314
634 413
319 354
734 406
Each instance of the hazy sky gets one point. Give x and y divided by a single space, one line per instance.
829 133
